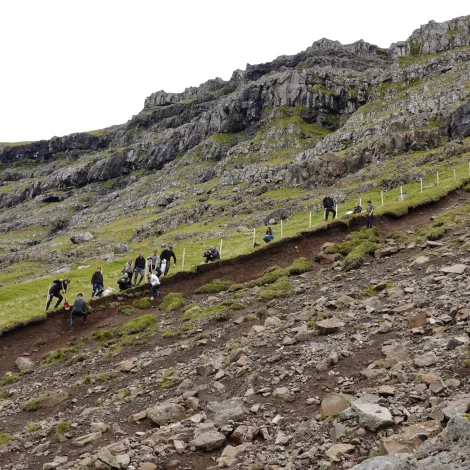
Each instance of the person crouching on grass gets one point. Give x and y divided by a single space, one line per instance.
154 285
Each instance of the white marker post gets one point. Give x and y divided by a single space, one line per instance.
254 236
360 201
182 261
437 178
324 215
281 228
468 168
336 215
382 197
310 220
401 193
421 183
455 177
220 250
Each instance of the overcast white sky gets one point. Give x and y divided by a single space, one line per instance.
70 66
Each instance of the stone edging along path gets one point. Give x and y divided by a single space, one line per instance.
280 252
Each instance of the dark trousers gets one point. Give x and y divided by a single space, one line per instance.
141 272
77 314
49 300
328 210
167 268
97 289
369 221
211 258
153 290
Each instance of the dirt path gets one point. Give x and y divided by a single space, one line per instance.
37 338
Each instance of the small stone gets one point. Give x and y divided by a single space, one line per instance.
330 325
336 450
425 360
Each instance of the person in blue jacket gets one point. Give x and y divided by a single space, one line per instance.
269 237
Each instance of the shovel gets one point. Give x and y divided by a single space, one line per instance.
66 304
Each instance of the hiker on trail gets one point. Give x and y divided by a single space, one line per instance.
154 285
212 254
78 310
125 282
139 268
165 257
128 268
57 286
97 283
329 206
269 237
370 214
154 260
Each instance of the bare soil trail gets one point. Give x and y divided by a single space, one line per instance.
53 332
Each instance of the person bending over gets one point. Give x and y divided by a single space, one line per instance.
154 285
212 254
78 310
57 286
166 255
329 206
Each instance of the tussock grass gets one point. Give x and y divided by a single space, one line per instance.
141 304
62 354
5 438
281 288
217 285
172 301
63 427
10 379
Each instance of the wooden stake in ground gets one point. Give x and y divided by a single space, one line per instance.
324 215
360 201
182 261
421 183
437 178
254 236
220 250
336 215
310 220
281 228
382 197
455 177
401 193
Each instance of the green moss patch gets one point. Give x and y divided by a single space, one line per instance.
170 332
63 354
5 438
141 304
270 276
172 301
63 427
10 379
300 266
281 288
126 310
31 405
217 285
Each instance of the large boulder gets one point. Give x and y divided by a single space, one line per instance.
81 237
165 413
373 417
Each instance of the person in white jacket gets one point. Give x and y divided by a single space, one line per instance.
154 285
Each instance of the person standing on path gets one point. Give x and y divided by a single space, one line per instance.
78 310
153 260
329 206
97 283
139 268
369 214
166 255
57 286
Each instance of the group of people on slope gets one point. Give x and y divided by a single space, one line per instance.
329 206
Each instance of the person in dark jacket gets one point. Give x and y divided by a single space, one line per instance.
166 255
57 286
139 268
212 254
329 206
97 283
78 310
125 282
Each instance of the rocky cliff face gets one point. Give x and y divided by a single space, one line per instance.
306 119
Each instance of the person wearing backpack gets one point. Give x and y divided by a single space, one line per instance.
55 291
139 268
97 283
78 310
